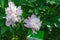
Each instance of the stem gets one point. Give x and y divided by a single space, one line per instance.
55 7
14 35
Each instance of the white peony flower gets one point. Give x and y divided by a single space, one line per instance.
13 14
33 22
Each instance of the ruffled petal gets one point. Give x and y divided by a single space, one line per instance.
19 11
8 22
27 21
13 14
19 19
27 25
12 7
7 10
33 16
13 23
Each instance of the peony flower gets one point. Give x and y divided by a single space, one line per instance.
33 22
13 14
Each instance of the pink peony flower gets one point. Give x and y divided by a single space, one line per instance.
33 22
13 14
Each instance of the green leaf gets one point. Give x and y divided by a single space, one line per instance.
57 24
36 11
39 35
53 1
3 29
2 3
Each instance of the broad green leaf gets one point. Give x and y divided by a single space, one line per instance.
57 24
2 3
39 35
3 29
53 2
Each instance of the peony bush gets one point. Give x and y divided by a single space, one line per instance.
29 20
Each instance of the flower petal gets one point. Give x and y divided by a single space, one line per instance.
33 16
27 25
13 23
19 11
8 22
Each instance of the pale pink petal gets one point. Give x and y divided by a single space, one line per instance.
27 21
33 16
13 23
13 14
8 23
27 25
29 18
19 19
12 7
33 22
11 4
19 11
7 10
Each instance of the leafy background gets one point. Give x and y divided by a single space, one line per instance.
47 10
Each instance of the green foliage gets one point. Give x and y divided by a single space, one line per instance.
39 34
47 10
